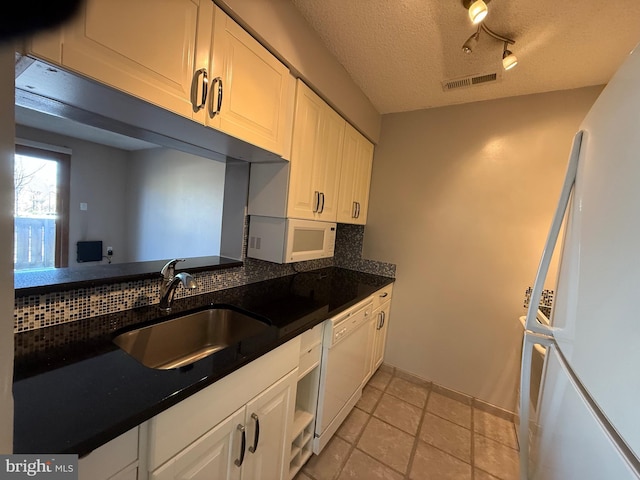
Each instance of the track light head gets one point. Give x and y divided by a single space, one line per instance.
478 11
471 42
509 60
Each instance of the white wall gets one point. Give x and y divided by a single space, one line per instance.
175 203
6 246
461 200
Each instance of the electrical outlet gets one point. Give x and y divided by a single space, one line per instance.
109 251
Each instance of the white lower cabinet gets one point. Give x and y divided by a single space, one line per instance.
237 428
249 444
116 460
381 316
211 456
382 309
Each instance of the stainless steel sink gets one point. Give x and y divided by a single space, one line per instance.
184 340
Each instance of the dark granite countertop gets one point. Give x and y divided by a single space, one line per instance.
37 282
74 390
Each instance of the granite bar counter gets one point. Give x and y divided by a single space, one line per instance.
75 390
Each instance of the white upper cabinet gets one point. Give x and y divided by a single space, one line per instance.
318 137
186 56
355 178
154 51
250 88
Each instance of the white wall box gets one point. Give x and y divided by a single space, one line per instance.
116 460
355 178
190 58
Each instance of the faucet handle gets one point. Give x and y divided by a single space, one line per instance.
169 270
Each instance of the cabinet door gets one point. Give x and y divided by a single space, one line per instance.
144 48
371 346
254 91
382 323
327 169
355 177
305 154
211 456
348 173
268 423
363 180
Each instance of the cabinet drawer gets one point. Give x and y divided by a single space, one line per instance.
309 360
311 338
382 295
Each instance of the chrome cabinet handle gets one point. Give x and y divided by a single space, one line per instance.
322 205
379 326
384 294
212 112
358 210
354 210
238 461
384 317
316 201
194 89
256 437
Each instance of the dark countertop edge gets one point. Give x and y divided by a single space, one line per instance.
39 282
85 447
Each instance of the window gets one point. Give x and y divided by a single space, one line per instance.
41 218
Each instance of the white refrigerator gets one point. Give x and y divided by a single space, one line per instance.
587 422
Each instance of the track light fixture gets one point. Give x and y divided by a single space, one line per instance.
509 60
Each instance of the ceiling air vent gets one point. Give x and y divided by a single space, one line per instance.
470 81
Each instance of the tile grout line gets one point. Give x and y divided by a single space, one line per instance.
472 447
417 437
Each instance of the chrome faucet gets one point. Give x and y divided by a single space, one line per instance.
170 281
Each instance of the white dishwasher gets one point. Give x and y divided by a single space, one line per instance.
345 363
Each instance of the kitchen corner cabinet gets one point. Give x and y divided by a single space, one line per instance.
316 152
186 56
355 178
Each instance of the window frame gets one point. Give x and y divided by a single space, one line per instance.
62 198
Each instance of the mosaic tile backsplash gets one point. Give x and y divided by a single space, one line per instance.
38 311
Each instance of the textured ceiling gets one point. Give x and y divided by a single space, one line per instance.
400 51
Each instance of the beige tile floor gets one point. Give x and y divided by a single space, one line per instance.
403 428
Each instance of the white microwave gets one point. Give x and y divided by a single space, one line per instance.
286 240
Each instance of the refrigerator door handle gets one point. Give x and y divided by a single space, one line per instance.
532 322
528 343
